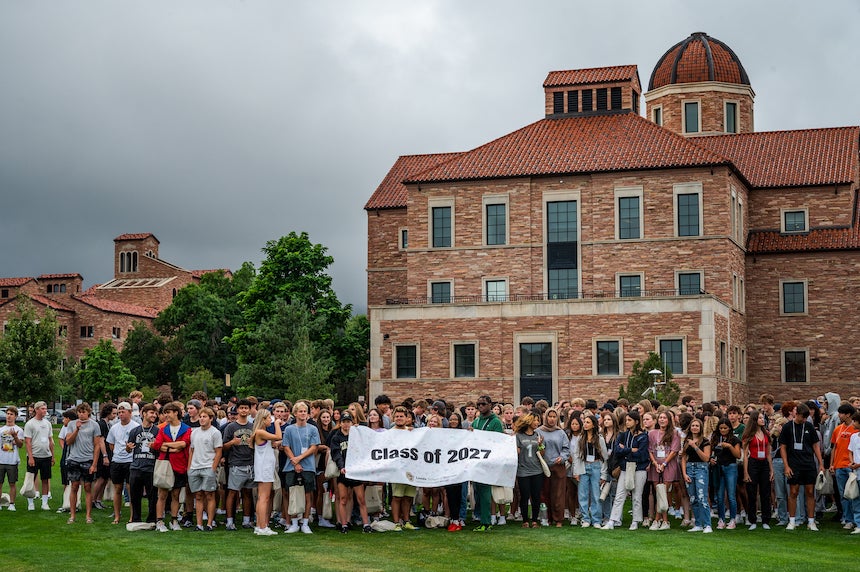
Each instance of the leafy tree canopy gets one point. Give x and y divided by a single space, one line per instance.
639 381
104 375
30 355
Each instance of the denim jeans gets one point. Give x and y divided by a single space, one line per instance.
697 489
850 508
589 494
727 483
780 488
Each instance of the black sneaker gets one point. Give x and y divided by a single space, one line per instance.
367 529
207 529
247 525
344 529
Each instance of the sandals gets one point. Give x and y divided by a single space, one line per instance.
535 524
89 521
525 525
70 521
115 521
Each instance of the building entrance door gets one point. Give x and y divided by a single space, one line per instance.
536 371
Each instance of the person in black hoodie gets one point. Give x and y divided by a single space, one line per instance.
630 447
339 444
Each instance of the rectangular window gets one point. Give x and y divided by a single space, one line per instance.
572 101
495 290
63 331
658 115
561 222
441 227
116 333
689 283
634 95
691 117
608 358
562 283
630 285
672 352
404 238
794 366
629 221
558 102
440 292
587 100
4 293
723 370
562 255
688 214
87 331
794 297
407 361
464 360
496 224
794 221
731 117
602 103
615 97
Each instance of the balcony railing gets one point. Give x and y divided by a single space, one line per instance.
545 296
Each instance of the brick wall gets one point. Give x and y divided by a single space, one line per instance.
711 108
828 206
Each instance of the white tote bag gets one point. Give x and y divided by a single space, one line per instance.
297 500
29 488
852 489
630 476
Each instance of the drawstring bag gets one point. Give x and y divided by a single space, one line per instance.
630 476
661 496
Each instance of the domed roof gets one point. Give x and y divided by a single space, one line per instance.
698 58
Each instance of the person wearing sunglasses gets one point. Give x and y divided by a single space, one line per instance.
485 421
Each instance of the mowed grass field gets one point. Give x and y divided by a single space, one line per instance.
42 540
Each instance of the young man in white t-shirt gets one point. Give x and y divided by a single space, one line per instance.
11 439
39 439
121 455
854 448
203 460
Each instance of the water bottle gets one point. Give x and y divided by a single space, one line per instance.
542 515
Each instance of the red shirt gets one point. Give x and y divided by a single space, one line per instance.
759 448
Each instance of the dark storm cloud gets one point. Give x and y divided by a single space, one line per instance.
220 125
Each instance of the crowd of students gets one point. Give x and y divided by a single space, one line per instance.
708 465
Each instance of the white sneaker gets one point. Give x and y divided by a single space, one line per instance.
752 527
608 526
855 531
544 522
45 505
293 528
574 521
654 525
174 525
12 508
812 526
634 526
585 524
790 526
766 526
31 506
265 531
306 529
502 521
493 520
708 530
665 525
696 529
159 526
325 523
846 526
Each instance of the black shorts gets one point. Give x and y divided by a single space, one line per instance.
41 467
290 478
803 477
103 471
80 472
342 480
180 480
119 473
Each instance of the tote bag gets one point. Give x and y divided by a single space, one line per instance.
662 499
162 476
297 500
824 482
629 476
852 489
29 488
331 470
503 495
543 465
373 498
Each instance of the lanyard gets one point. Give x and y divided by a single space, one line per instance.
794 435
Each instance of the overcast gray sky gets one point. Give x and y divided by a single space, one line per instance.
218 125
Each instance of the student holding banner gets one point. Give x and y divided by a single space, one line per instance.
339 443
486 421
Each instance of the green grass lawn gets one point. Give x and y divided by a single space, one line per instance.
43 541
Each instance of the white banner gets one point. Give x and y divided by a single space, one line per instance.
431 457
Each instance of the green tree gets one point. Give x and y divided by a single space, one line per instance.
103 375
640 381
282 360
351 351
145 354
201 379
30 355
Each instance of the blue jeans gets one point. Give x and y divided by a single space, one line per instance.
697 489
850 508
589 494
780 487
726 485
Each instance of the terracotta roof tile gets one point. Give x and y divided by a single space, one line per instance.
591 75
391 192
117 307
696 58
791 158
135 236
816 240
569 145
14 282
59 276
53 304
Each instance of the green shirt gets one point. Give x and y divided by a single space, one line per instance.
489 423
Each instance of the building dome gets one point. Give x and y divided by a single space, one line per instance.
698 58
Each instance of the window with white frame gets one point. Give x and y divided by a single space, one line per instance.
692 117
689 283
495 290
495 220
792 296
795 220
441 223
628 213
657 114
630 285
688 209
731 117
404 239
441 292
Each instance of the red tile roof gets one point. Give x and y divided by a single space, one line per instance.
585 144
53 304
59 276
591 75
199 273
801 158
698 57
14 282
117 307
391 192
135 236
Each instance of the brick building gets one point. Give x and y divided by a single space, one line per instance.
142 286
547 261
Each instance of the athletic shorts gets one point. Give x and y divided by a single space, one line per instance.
41 467
119 473
291 479
103 472
9 472
202 480
80 472
241 478
180 480
342 480
803 477
401 490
